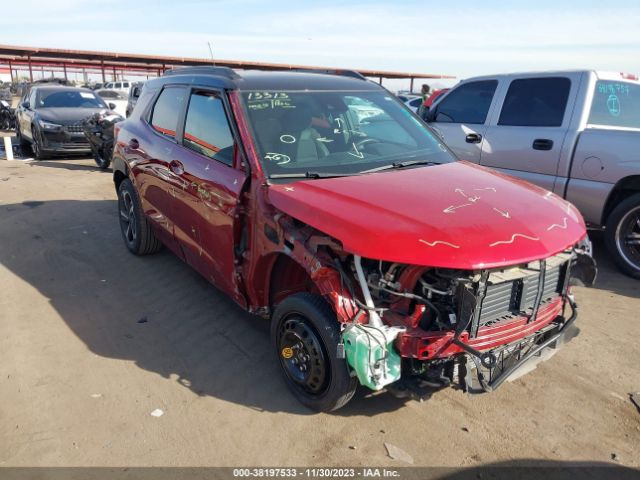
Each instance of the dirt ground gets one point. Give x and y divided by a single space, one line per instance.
81 371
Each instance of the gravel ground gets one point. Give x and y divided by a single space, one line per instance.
93 341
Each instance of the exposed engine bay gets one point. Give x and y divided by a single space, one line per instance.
429 328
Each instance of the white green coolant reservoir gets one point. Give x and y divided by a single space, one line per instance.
370 352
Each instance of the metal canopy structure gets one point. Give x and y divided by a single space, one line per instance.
18 58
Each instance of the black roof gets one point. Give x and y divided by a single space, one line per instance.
247 80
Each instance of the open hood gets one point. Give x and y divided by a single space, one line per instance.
455 215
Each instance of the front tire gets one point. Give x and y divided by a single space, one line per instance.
101 160
134 225
38 154
622 235
305 334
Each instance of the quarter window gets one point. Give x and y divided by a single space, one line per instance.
469 103
164 118
207 129
536 102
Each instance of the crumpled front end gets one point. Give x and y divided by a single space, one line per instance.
474 329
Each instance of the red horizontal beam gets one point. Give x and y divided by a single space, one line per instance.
154 62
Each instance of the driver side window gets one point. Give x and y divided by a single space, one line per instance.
469 103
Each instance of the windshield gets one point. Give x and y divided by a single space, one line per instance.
615 104
337 132
68 99
112 94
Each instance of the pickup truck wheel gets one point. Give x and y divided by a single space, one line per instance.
305 334
623 235
136 230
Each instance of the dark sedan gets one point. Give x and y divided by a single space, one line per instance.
49 119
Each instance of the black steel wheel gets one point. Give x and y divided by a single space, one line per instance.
136 231
623 235
302 354
305 334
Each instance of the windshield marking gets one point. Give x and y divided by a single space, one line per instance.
358 153
278 158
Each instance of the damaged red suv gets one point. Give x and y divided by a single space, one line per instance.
319 201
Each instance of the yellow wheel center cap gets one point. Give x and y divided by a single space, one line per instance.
287 353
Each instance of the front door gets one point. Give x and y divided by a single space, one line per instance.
204 210
460 118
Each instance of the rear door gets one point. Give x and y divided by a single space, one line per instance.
460 117
208 166
526 135
150 151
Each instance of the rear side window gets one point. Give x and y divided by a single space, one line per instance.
616 104
164 117
535 102
207 128
469 103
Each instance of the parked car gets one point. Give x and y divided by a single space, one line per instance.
576 133
410 100
379 259
122 86
49 119
134 94
115 97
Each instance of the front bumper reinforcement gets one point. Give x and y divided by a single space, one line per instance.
486 377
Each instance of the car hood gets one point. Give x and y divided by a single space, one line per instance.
66 116
455 215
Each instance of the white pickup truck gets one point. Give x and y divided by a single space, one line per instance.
575 133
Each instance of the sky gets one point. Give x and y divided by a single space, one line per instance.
461 38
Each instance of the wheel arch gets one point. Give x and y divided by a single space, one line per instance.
622 190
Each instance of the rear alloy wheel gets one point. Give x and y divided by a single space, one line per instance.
306 333
136 230
623 235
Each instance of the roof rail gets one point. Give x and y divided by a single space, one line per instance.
204 70
331 71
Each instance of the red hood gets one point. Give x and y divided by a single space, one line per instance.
456 215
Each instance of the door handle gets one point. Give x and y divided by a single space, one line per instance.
542 144
176 167
473 138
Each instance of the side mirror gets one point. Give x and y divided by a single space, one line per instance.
112 106
26 105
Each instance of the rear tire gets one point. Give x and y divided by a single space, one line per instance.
305 334
136 230
622 235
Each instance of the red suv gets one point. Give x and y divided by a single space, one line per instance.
321 202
